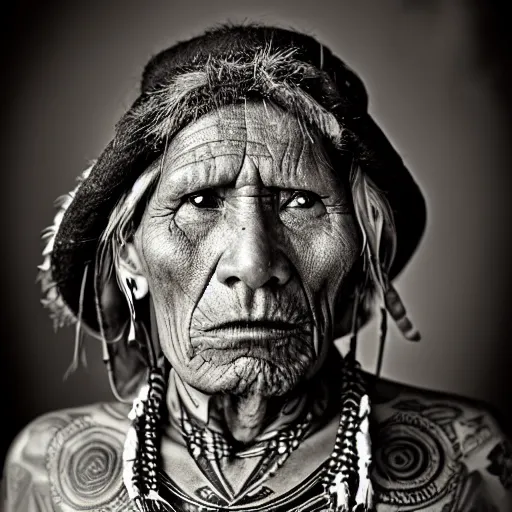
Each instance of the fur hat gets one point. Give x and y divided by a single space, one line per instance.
223 66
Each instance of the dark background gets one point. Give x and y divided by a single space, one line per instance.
439 77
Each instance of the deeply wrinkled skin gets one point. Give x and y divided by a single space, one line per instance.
248 224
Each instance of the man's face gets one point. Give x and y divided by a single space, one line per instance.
245 244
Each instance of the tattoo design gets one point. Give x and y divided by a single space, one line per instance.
472 433
501 463
207 494
416 456
442 414
85 468
208 501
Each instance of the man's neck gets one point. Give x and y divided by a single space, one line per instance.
243 419
245 416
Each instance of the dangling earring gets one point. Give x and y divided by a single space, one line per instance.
392 304
131 287
127 287
134 287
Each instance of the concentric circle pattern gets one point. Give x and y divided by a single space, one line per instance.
85 467
414 463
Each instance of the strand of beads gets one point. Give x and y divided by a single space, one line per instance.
345 474
152 421
203 441
140 454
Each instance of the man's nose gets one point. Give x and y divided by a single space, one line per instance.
253 257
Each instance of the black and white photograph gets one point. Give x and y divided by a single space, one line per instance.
256 256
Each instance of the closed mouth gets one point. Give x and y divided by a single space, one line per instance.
250 331
254 325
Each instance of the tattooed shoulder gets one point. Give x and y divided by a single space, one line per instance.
433 450
487 455
68 460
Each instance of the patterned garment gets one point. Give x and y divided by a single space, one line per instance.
291 501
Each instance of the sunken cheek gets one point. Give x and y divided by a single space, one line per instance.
178 260
325 256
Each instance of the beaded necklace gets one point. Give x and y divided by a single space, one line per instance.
345 481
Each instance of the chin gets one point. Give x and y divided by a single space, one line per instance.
241 372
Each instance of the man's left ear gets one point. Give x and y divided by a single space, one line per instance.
129 271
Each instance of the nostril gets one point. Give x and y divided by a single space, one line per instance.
273 281
230 281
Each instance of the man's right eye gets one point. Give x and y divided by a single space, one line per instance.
205 199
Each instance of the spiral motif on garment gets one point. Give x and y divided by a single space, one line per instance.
85 466
414 462
410 459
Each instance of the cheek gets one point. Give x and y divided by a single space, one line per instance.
178 264
324 254
323 259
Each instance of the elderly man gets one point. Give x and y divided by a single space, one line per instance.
247 212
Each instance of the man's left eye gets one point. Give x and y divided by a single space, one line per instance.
302 199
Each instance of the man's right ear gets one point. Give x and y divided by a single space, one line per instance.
129 271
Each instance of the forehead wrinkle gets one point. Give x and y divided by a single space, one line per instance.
219 171
214 139
213 151
233 124
227 126
206 151
296 159
210 151
280 133
278 157
296 163
209 122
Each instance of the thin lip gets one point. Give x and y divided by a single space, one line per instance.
261 325
241 338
